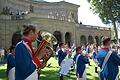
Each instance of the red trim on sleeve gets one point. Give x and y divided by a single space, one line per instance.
37 62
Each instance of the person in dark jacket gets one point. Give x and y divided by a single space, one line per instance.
80 60
61 56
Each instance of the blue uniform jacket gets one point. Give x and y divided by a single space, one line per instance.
87 50
61 56
94 55
24 65
10 62
80 67
110 70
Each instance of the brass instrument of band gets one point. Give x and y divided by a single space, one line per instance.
49 54
48 39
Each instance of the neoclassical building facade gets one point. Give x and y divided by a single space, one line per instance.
58 18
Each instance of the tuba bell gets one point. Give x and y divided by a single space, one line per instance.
47 40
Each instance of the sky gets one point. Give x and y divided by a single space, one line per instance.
85 15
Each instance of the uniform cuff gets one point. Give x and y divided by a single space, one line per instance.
37 62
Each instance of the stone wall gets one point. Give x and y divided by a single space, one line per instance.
7 29
69 30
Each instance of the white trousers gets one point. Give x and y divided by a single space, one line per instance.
115 79
33 76
83 77
96 62
11 74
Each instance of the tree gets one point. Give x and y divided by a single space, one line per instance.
112 33
108 11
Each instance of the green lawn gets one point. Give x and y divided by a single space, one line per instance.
51 73
2 72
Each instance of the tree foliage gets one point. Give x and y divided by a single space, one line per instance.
107 10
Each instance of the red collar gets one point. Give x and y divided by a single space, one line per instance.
104 49
13 54
27 40
29 43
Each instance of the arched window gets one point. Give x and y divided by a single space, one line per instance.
83 40
68 38
97 40
58 35
90 40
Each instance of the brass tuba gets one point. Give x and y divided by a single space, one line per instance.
47 39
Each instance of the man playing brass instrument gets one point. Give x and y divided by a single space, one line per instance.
25 62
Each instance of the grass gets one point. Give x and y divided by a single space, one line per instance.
51 73
2 72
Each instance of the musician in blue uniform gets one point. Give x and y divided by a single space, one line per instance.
94 54
11 58
61 53
25 62
80 60
88 52
11 64
88 49
61 56
108 60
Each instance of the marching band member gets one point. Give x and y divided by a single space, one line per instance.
61 53
11 64
83 50
114 47
80 64
108 60
94 54
11 60
73 49
68 50
25 62
88 52
61 56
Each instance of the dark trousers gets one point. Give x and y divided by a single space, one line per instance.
61 77
96 70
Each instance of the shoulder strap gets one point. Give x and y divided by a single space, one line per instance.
30 52
106 59
77 58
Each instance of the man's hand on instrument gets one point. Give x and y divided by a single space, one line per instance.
42 65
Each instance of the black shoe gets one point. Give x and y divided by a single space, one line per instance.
72 69
89 64
96 70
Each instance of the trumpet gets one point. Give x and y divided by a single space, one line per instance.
48 39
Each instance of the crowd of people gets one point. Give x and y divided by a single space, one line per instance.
105 56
